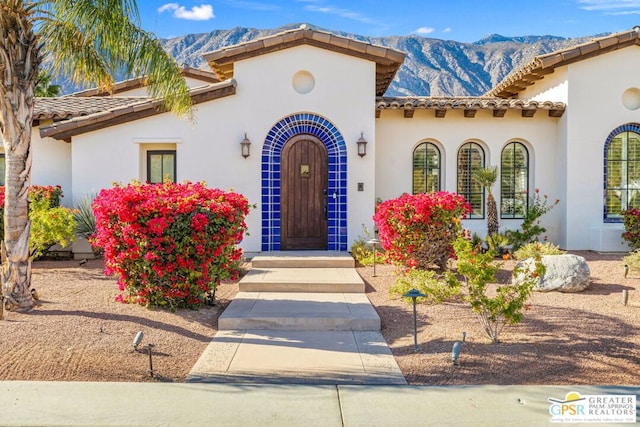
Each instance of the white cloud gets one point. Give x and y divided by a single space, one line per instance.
343 13
203 12
447 30
425 30
611 7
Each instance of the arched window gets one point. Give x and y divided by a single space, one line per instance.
471 158
426 168
514 180
622 171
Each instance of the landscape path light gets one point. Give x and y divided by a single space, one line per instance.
374 243
414 294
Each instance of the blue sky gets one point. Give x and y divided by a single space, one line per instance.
460 20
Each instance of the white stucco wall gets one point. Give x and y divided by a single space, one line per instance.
209 149
553 87
52 164
142 91
398 136
595 108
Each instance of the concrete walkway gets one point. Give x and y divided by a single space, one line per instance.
299 318
161 404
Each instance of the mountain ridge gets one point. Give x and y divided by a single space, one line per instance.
432 67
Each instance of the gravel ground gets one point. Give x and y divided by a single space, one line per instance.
79 333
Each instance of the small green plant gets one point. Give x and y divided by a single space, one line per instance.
537 249
531 230
85 219
495 307
476 242
497 242
437 289
362 251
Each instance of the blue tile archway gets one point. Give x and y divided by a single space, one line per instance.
280 133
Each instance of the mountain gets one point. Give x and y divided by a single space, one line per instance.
433 67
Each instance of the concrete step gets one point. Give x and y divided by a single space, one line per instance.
300 312
303 259
315 280
297 357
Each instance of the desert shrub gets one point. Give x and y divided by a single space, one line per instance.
169 245
85 219
51 223
363 252
537 249
437 289
531 230
631 222
494 308
632 260
418 230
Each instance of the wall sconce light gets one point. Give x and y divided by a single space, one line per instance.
245 146
362 145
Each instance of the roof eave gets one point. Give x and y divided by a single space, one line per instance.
64 130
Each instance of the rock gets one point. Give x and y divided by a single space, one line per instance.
564 273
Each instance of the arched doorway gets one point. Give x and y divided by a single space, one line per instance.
306 126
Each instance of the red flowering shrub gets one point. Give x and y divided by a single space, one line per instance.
631 221
419 230
169 244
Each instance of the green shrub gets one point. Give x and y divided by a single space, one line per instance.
537 249
49 226
363 252
531 230
494 307
437 289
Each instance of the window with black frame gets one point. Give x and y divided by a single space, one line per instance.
471 158
514 180
161 166
426 168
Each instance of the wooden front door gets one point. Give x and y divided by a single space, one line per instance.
303 189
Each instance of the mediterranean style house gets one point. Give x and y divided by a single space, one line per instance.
299 124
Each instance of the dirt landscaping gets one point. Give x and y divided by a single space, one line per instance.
79 333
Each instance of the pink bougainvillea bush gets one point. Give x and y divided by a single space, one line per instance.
169 244
419 230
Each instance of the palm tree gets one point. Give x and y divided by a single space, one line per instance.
87 40
486 177
44 88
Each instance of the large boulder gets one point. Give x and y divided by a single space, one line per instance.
564 273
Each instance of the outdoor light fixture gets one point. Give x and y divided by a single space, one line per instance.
455 352
362 145
413 294
245 146
137 339
374 243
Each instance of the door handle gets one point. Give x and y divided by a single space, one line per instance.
325 203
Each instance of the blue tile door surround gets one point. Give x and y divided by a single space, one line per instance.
280 133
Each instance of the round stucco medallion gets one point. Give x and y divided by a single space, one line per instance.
303 82
631 98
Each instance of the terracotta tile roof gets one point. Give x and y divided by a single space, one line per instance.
387 60
469 104
135 109
542 65
194 73
67 107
